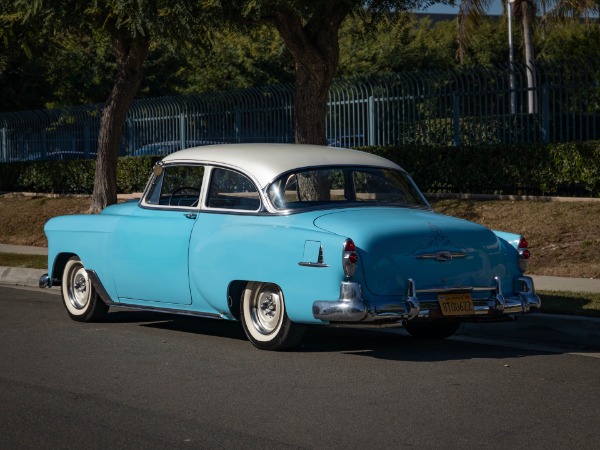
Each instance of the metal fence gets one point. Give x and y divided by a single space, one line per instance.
475 106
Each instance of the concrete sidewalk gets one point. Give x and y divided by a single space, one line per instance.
23 249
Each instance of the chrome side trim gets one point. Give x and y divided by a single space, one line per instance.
93 276
312 264
159 309
162 310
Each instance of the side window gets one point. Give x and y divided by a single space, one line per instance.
177 186
232 190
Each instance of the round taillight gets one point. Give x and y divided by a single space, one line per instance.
526 254
353 258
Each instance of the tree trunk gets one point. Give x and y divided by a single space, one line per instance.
315 49
130 56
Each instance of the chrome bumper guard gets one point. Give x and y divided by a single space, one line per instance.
44 281
351 307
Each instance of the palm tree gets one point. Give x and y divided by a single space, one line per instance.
471 12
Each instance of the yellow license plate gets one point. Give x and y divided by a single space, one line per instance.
456 304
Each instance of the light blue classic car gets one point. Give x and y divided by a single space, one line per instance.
281 236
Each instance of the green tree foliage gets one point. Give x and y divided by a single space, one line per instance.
237 59
130 26
560 40
66 68
23 80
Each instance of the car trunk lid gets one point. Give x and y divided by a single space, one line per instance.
437 251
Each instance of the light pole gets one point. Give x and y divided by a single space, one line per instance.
510 58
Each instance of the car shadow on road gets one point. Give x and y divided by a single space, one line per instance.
398 346
390 344
174 322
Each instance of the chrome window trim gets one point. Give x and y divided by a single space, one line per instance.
206 186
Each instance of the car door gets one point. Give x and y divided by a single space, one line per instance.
151 246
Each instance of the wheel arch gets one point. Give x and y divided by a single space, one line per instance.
58 267
235 290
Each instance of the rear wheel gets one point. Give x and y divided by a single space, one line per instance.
79 296
433 329
265 320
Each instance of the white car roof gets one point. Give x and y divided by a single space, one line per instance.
266 161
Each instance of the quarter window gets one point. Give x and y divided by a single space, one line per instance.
232 190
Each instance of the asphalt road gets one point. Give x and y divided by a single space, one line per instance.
143 380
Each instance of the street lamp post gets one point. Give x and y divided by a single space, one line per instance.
510 58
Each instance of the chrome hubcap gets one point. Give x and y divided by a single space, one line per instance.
266 310
78 291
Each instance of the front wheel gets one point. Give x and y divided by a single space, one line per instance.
433 329
264 318
79 296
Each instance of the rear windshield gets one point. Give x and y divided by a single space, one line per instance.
337 186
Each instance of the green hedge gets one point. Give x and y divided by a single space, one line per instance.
571 169
72 177
534 169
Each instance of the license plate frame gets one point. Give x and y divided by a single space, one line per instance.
456 304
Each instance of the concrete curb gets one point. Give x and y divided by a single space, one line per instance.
21 277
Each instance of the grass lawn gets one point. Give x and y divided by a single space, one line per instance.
18 260
571 303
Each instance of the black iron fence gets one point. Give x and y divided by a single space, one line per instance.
476 106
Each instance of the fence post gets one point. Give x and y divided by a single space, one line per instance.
4 145
545 114
456 118
182 136
86 139
371 121
238 125
128 136
43 143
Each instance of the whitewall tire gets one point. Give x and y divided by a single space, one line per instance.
79 296
265 320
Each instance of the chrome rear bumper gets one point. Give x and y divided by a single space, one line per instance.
351 306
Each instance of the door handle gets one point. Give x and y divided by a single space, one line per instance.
191 215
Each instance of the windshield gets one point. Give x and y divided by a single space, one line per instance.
337 186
